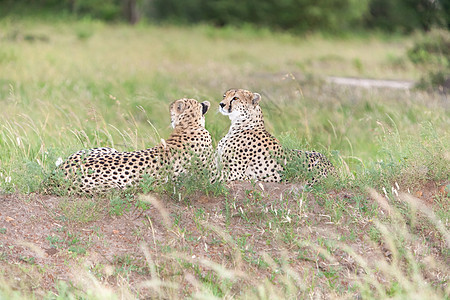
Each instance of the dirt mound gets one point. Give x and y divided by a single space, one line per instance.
44 240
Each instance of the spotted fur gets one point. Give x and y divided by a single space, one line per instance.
248 151
102 169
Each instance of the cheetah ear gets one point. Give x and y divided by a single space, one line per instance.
180 106
205 106
256 98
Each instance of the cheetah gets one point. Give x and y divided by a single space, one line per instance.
99 170
249 152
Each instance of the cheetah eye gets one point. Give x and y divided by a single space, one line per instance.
235 98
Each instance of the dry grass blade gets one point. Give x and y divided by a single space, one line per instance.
418 204
159 206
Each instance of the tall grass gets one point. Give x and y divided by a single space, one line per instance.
86 84
63 91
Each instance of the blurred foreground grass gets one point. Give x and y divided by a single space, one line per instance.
70 86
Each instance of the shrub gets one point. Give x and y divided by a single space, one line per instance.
431 53
406 16
296 15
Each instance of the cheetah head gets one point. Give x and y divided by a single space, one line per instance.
188 113
240 104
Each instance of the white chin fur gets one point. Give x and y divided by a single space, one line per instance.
234 115
223 111
172 124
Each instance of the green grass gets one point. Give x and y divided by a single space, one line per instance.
63 93
83 84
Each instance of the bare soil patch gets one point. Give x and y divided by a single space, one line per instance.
40 245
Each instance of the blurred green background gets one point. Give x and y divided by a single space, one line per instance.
294 15
79 74
75 75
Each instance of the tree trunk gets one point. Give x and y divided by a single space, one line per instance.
72 6
130 11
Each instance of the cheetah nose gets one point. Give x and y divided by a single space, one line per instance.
222 104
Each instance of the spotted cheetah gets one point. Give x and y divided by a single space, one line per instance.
248 151
101 169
